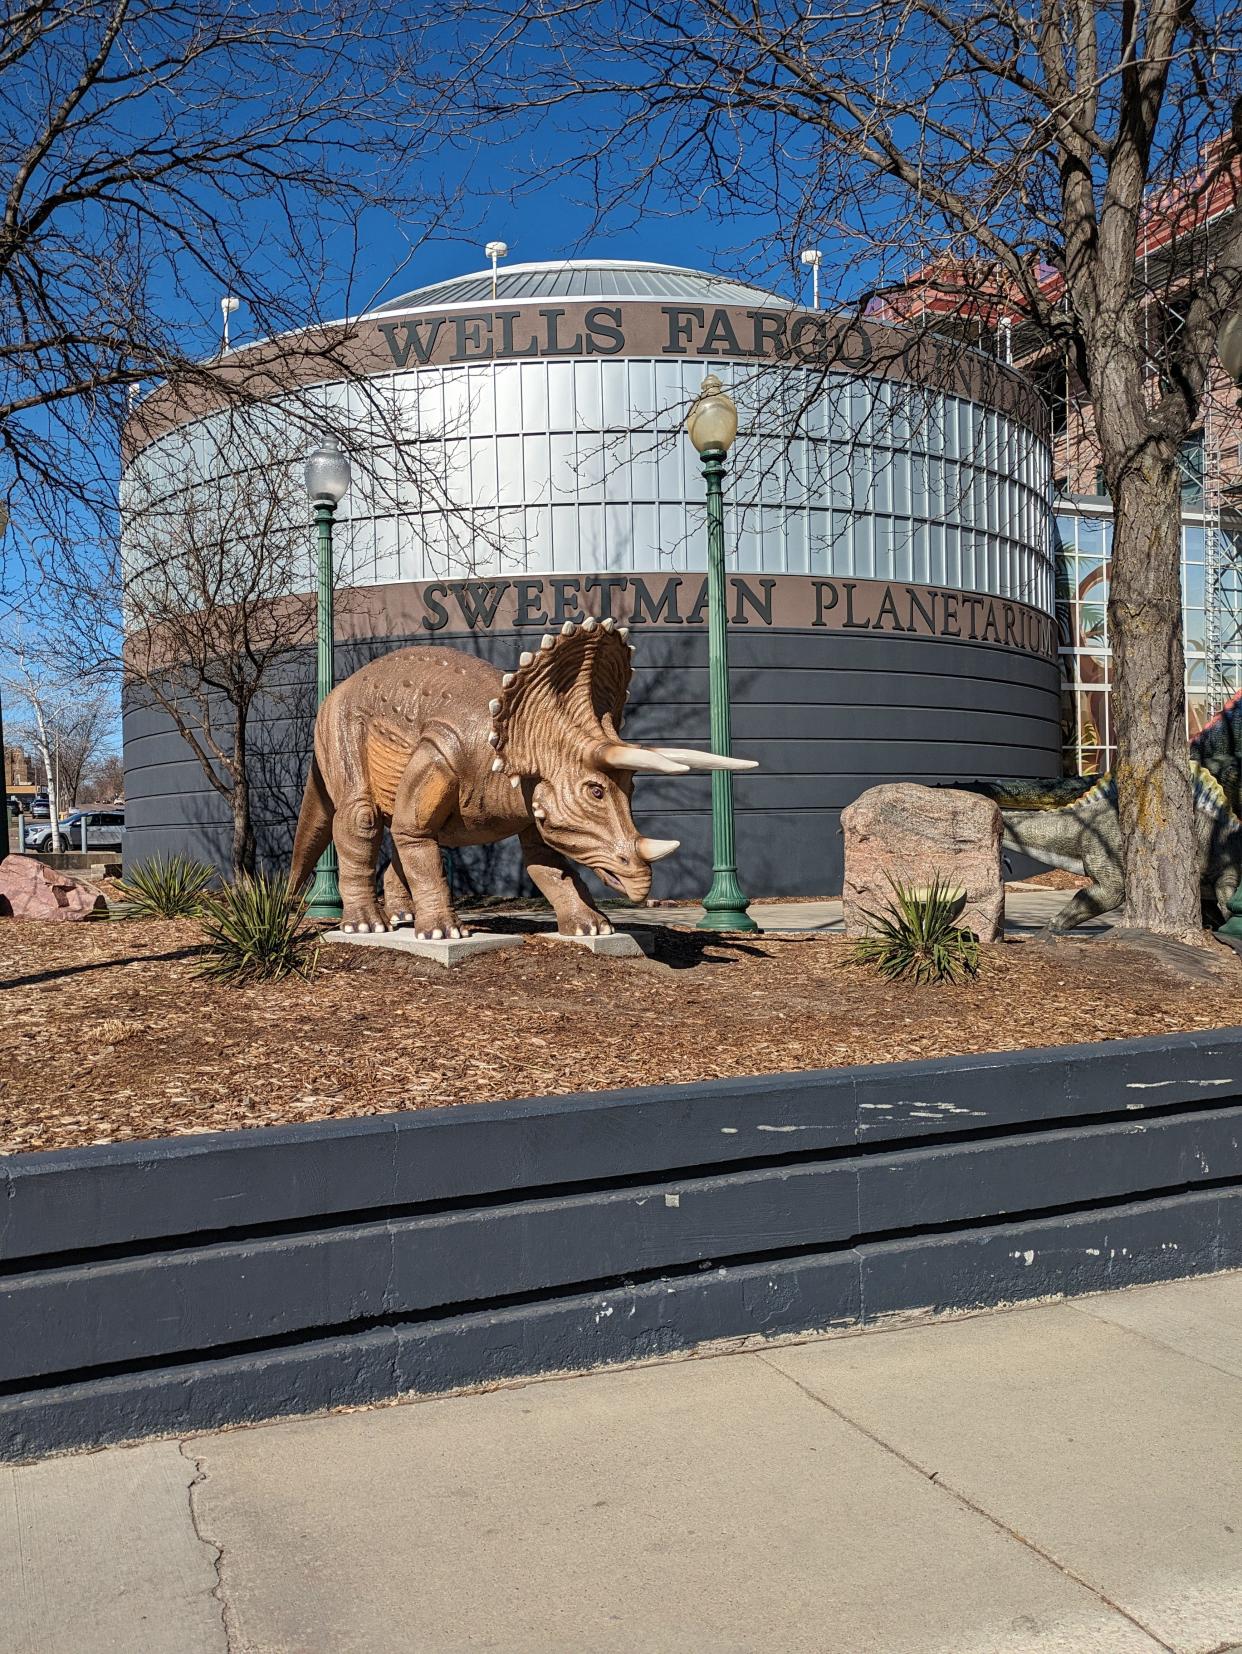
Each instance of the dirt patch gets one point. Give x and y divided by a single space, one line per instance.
111 1035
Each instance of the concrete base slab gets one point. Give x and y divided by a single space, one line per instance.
620 944
450 950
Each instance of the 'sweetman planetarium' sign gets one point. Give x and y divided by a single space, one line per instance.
786 602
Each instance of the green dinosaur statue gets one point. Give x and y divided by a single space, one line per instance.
1072 823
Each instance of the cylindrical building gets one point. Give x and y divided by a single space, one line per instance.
891 582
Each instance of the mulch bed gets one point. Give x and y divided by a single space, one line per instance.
109 1033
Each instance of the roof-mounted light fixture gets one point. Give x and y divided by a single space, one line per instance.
228 305
496 250
814 257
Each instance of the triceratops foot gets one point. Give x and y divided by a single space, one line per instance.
363 920
440 927
588 923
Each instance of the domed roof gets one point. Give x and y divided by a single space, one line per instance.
586 279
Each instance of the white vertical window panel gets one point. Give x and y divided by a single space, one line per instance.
588 398
589 466
566 542
646 541
589 552
644 464
644 402
508 393
618 537
539 548
534 382
536 468
510 474
864 547
618 477
564 467
562 414
619 412
882 541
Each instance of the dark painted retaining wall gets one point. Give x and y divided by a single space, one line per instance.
184 1283
827 714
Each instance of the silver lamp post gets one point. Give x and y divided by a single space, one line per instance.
327 483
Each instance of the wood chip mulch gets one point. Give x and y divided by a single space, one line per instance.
110 1034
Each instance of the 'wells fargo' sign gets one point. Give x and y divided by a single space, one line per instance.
779 602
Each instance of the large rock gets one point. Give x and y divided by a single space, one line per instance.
29 890
911 834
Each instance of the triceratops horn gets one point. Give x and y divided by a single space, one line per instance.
619 755
695 760
655 849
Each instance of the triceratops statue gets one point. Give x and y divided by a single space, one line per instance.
444 750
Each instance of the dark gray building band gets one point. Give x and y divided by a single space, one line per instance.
837 686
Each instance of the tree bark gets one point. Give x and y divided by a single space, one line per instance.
243 825
1154 797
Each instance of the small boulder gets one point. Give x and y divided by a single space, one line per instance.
911 834
30 890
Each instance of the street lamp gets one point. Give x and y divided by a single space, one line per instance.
712 426
814 257
327 483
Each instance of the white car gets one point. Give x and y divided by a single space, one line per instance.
105 830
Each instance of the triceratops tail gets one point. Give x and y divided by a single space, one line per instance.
314 830
1036 795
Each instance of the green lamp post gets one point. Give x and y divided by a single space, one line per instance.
712 426
1229 349
327 483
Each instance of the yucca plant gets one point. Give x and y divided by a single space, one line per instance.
165 888
919 936
256 931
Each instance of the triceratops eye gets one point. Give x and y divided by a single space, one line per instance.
595 790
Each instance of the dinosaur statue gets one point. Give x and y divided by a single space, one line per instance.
1072 823
443 749
1084 836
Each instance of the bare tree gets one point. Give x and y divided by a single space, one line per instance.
205 597
104 780
65 721
156 155
1021 158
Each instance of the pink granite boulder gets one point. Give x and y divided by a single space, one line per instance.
912 834
29 890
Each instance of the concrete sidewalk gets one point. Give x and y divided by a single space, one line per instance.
1061 1477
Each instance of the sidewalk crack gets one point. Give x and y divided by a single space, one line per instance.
231 1642
936 1477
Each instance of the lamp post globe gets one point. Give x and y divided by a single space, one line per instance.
712 426
327 483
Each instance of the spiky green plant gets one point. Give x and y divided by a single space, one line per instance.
165 888
919 937
256 931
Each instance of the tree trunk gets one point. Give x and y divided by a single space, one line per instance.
1154 796
243 826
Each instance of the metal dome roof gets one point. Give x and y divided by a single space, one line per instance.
586 279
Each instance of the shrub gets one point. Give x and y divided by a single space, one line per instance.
255 931
165 889
918 936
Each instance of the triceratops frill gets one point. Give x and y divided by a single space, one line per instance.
443 749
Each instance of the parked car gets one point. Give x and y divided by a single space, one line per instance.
104 831
38 806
